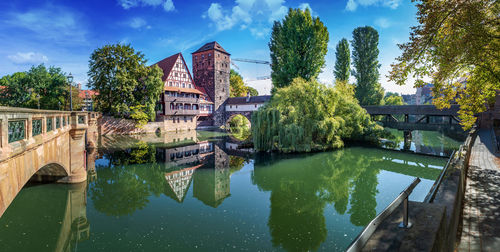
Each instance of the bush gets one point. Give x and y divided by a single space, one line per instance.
309 116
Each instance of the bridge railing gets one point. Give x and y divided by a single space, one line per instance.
21 127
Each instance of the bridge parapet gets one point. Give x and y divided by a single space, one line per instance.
40 145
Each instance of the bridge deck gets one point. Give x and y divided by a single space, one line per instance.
412 110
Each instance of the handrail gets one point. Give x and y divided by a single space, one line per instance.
432 193
367 232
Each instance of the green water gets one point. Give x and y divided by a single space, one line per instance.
424 142
206 196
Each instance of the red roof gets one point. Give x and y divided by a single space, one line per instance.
167 64
211 46
90 93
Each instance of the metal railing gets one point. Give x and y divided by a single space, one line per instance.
367 232
432 193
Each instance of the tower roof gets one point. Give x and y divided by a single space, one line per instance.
211 46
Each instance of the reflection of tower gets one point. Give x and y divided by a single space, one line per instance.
75 227
91 157
211 185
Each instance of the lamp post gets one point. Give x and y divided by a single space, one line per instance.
70 81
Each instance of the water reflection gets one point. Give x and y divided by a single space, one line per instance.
46 218
199 186
426 142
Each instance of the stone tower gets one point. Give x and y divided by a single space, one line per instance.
211 72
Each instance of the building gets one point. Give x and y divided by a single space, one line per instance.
87 97
211 69
179 103
190 101
424 94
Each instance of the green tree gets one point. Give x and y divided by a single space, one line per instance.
342 61
454 39
238 88
236 85
298 47
123 80
253 91
387 94
40 85
365 60
393 100
308 116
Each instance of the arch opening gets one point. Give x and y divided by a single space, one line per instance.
49 173
239 126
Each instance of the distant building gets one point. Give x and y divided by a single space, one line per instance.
424 94
410 99
87 97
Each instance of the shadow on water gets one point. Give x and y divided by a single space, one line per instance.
176 191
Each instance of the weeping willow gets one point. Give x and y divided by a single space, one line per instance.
309 116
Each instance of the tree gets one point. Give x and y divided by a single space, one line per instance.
342 61
47 87
236 85
120 75
365 60
253 91
298 47
388 94
454 39
308 116
394 100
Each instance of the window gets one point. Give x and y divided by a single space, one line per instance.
170 84
191 119
190 86
183 85
176 75
230 106
185 119
209 54
184 75
195 57
177 84
203 56
255 105
173 119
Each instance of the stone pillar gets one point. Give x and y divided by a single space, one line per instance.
77 172
407 141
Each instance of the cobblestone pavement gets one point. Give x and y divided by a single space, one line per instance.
481 213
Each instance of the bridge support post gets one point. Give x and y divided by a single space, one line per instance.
407 140
77 171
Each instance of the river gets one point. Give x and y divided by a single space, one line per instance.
197 191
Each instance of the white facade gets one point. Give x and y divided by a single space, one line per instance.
243 107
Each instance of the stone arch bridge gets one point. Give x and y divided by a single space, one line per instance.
41 145
244 106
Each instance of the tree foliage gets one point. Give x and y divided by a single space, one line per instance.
39 85
365 60
454 39
123 80
393 100
342 69
308 116
238 87
298 47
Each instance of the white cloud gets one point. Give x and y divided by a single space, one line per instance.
53 23
255 15
28 58
382 23
304 6
137 23
352 5
168 5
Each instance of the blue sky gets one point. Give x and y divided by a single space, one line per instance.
64 33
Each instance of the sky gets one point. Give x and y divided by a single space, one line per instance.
64 33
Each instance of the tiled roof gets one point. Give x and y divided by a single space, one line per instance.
243 100
90 93
211 46
167 64
184 90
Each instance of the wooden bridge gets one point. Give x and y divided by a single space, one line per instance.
416 117
41 145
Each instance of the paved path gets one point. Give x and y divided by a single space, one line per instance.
481 213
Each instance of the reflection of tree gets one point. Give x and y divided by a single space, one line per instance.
302 187
235 163
121 188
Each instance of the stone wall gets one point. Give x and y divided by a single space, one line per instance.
180 123
118 126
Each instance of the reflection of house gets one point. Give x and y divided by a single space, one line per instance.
178 182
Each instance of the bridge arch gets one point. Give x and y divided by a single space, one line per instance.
50 172
230 116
